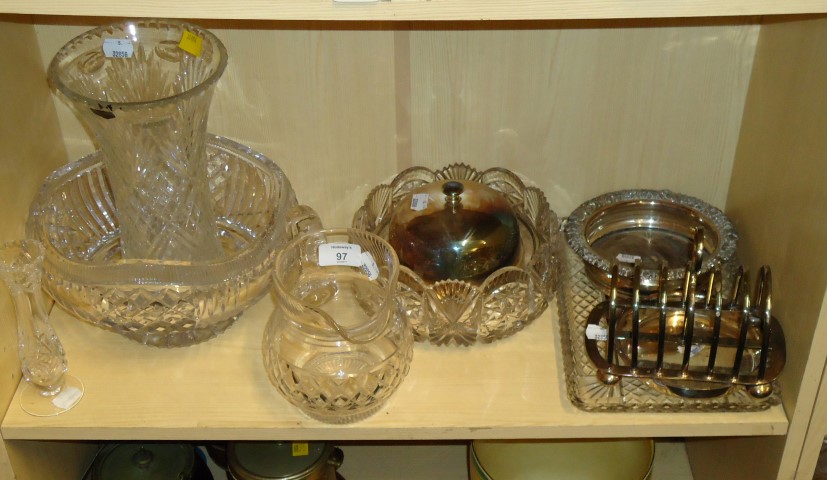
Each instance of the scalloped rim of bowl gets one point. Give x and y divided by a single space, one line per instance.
161 272
575 226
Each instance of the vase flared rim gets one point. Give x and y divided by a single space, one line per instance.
58 84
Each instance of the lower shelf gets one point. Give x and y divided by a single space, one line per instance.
363 460
427 462
423 461
512 388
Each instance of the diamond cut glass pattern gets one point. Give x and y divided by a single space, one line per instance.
576 297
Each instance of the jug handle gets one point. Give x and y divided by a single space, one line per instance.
301 219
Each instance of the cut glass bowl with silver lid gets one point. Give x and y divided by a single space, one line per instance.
477 250
162 303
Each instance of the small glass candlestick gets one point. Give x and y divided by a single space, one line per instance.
49 389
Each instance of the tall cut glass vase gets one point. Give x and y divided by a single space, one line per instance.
143 89
49 389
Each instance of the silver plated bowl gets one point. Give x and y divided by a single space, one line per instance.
157 302
652 227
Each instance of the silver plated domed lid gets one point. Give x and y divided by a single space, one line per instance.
454 229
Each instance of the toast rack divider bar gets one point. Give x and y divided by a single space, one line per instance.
635 319
765 305
662 303
716 332
688 318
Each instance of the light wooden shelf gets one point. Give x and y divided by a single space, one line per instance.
722 108
219 390
417 9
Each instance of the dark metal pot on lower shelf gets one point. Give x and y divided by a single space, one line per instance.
149 461
283 461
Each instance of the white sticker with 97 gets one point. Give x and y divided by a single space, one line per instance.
117 48
347 254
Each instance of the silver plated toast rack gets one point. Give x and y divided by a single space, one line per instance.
699 346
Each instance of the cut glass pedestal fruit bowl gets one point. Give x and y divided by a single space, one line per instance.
160 302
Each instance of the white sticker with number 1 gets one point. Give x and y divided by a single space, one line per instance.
347 254
117 48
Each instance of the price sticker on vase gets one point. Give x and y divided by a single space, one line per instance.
190 43
117 48
342 254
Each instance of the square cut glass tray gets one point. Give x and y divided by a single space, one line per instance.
576 297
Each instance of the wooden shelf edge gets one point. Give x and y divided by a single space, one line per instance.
407 10
768 423
219 390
